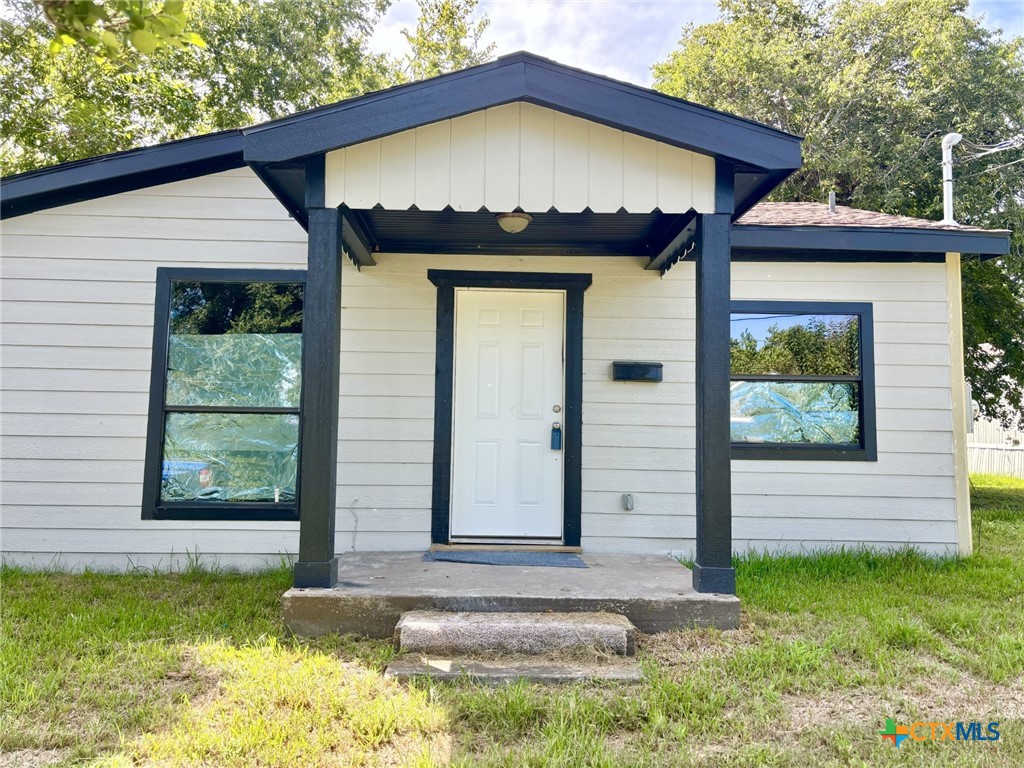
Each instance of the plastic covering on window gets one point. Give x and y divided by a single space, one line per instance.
794 412
230 457
235 369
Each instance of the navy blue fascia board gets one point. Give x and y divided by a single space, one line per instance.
523 77
893 240
119 172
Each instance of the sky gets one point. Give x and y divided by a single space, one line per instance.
618 38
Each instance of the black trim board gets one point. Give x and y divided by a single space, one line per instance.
525 77
713 570
868 449
574 285
752 238
153 466
839 257
354 236
317 565
119 172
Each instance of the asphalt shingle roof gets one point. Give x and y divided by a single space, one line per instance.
817 215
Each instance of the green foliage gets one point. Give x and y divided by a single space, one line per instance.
815 347
106 27
235 308
445 40
873 85
262 60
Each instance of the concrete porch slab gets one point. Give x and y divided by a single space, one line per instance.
375 588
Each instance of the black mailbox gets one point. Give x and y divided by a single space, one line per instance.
634 370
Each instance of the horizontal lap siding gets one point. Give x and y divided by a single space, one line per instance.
78 303
907 497
386 427
78 291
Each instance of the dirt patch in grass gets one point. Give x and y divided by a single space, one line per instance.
950 696
31 758
692 647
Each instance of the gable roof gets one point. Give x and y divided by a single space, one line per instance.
526 77
756 157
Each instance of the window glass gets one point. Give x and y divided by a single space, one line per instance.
230 457
237 369
232 392
776 343
213 308
794 412
797 377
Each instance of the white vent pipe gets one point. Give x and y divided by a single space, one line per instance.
949 141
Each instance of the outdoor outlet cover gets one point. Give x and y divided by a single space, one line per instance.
627 501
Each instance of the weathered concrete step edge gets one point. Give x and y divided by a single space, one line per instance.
467 633
318 611
497 673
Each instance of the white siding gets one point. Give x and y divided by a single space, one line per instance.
520 155
908 496
78 289
78 295
639 438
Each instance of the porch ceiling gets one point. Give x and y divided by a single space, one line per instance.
566 234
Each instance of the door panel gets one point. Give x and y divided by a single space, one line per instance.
509 378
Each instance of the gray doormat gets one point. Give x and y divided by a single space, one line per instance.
480 557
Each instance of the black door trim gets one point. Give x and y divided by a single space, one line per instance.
574 286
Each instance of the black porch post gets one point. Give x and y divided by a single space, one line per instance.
321 357
713 571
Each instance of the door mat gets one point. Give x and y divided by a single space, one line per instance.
479 557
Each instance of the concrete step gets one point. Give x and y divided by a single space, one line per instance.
624 670
469 633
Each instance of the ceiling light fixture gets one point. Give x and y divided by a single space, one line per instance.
514 222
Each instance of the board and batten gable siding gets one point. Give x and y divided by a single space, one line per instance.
78 291
520 155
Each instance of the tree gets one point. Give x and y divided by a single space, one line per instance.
445 40
106 27
814 346
873 85
262 60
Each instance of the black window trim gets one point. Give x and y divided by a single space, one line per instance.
868 448
574 284
152 507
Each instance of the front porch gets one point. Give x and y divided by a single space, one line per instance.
587 168
375 588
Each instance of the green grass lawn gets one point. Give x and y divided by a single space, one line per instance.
197 669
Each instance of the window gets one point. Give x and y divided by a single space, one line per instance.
226 392
802 381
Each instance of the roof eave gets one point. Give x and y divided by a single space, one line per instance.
119 172
852 238
523 77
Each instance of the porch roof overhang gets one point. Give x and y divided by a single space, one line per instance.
755 156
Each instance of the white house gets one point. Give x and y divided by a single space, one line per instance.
317 335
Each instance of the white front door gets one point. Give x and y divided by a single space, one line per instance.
509 385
